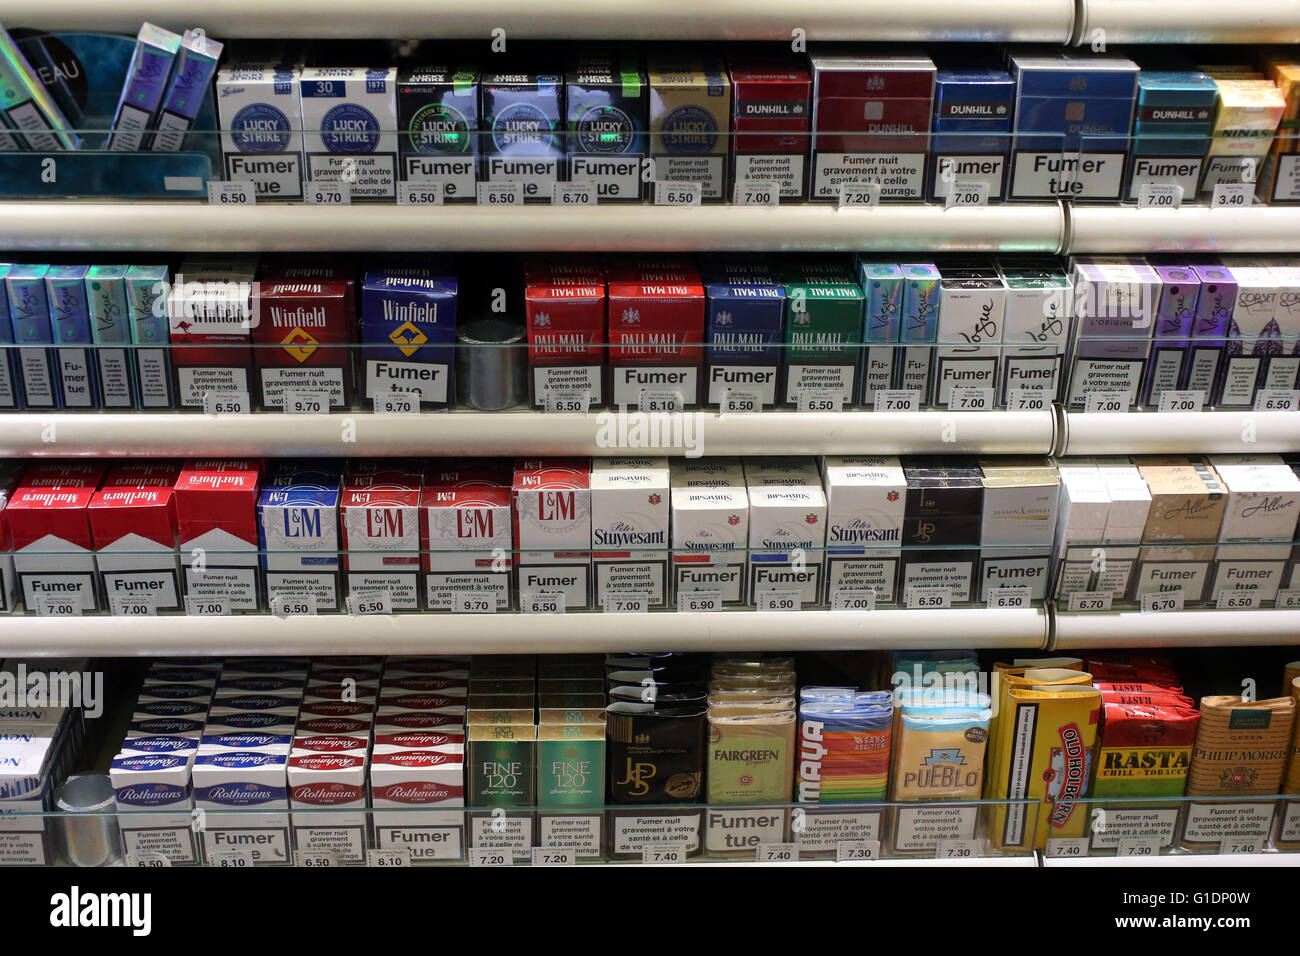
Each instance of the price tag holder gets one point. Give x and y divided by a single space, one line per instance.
848 599
579 193
315 859
929 597
206 607
738 401
397 403
538 603
850 851
490 856
776 853
657 853
1184 400
328 194
1106 402
968 399
1138 846
820 400
858 195
554 856
231 194
967 192
499 194
1010 597
306 403
779 601
390 858
420 194
147 858
957 850
576 402
754 192
1067 848
898 400
1028 399
1090 601
226 403
1160 601
657 400
1288 598
696 601
474 602
1237 600
133 605
1160 196
678 194
232 858
1233 196
378 602
1277 400
627 602
1242 845
51 605
304 605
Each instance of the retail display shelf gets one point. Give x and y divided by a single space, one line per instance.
1209 628
523 634
1023 860
1181 859
1189 21
526 433
168 226
1168 433
1020 21
1130 229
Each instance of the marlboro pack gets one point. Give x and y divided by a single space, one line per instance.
565 312
210 316
865 502
70 322
408 327
787 527
656 331
710 518
553 528
298 522
134 530
306 324
772 118
216 511
10 472
379 513
629 528
49 527
466 536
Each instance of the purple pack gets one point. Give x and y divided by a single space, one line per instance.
1179 291
1210 326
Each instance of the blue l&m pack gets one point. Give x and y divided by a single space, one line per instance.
744 329
29 315
147 291
1171 130
973 113
110 327
883 284
298 527
408 334
65 287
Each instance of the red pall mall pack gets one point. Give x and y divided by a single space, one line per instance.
135 535
552 530
381 532
565 313
466 531
216 512
306 324
656 335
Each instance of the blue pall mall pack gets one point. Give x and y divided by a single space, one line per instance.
29 315
973 112
744 331
1171 130
65 288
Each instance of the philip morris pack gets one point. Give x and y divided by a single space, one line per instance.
553 528
466 536
216 508
349 121
408 327
823 332
305 327
261 123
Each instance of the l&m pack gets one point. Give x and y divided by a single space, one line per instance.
438 119
523 114
110 326
379 515
65 287
690 119
408 331
606 98
824 331
298 519
146 82
1171 130
349 119
883 285
745 326
148 289
973 112
29 315
188 87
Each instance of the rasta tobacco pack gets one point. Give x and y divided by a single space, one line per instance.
438 119
565 314
606 99
305 325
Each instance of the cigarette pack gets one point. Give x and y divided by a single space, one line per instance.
349 123
438 121
552 503
147 291
29 315
606 98
9 589
920 323
196 63
408 327
158 782
1252 335
629 528
1036 329
49 528
142 93
298 520
216 511
380 517
1171 129
244 780
824 332
1115 300
27 107
305 327
883 285
973 111
211 319
1263 506
571 764
656 335
135 534
524 116
329 780
10 365
771 120
787 527
466 536
565 314
944 508
745 328
261 127
710 525
110 326
1187 508
1281 173
1180 289
971 319
1018 524
1282 368
1126 518
865 502
65 288
690 119
1206 344
1249 111
501 764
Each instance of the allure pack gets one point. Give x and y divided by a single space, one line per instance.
656 334
466 536
216 509
379 515
211 319
408 327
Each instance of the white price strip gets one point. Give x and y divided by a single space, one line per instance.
929 597
574 194
779 600
1106 402
1138 846
846 599
678 194
1237 600
315 858
968 399
776 853
392 857
397 403
500 194
226 403
1090 601
577 402
1028 399
627 602
821 401
1277 400
304 605
656 853
1189 400
554 856
306 403
537 603
847 851
1067 848
239 858
859 194
206 607
1160 196
1233 196
692 601
737 401
376 602
147 859
490 856
1156 602
957 850
1250 845
898 400
419 194
133 605
328 194
753 192
474 602
659 401
1289 598
967 192
51 605
231 194
1003 598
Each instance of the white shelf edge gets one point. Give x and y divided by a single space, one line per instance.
1191 21
23 636
1020 861
1155 433
1189 229
1208 628
813 227
1180 860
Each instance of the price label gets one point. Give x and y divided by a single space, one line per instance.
756 192
693 601
231 194
656 853
577 402
1160 196
848 851
627 602
967 192
678 194
392 857
490 856
1250 845
1010 597
1287 598
51 605
1138 846
133 605
968 399
306 403
1187 400
554 856
779 600
859 194
736 400
419 194
1090 601
376 602
539 603
1156 602
226 403
1232 196
957 850
147 858
235 858
929 597
574 194
1067 848
328 194
397 403
898 400
302 605
315 858
820 400
474 602
776 853
848 599
1106 402
654 400
1237 600
1277 400
499 194
206 607
1028 399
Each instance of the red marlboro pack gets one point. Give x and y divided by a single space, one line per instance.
306 325
134 530
381 532
216 512
144 473
63 474
564 308
553 528
656 335
466 534
52 543
772 119
211 318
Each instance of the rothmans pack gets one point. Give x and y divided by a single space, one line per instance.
306 323
629 529
408 327
349 121
379 514
710 524
553 528
466 535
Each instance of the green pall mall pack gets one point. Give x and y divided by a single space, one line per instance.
825 309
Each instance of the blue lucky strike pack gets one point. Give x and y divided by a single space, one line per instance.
744 330
408 331
973 113
70 323
29 317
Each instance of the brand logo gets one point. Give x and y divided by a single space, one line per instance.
349 128
75 909
638 775
1067 776
605 129
689 129
439 128
299 345
260 128
408 338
